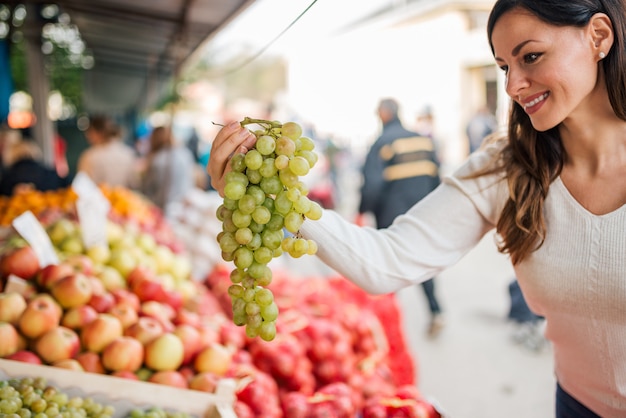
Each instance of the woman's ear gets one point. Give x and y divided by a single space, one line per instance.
601 31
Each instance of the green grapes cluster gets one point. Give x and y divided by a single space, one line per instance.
263 198
34 398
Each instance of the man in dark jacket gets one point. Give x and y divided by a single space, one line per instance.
400 169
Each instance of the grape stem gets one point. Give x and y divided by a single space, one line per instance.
268 123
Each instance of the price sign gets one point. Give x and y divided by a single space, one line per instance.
92 208
29 227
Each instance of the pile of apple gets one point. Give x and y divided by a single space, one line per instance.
331 356
129 308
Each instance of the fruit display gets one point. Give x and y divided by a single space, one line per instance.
264 199
134 312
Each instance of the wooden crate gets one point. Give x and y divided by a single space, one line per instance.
125 394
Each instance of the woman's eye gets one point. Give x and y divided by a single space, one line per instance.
505 68
532 57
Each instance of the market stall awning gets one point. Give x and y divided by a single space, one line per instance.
138 45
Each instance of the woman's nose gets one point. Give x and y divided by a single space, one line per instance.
515 82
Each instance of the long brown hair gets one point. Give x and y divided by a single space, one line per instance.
532 160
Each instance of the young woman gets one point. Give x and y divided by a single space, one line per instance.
554 189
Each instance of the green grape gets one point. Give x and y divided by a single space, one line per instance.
299 166
266 278
235 291
234 190
315 211
269 203
282 204
256 270
285 146
257 193
293 221
253 308
301 246
269 312
276 222
272 239
271 185
240 219
243 236
281 162
223 212
312 249
246 204
263 255
302 205
265 144
261 215
236 276
306 144
268 168
309 156
236 177
228 242
264 297
230 203
255 227
294 194
291 130
267 330
253 159
237 163
254 176
255 243
287 177
243 257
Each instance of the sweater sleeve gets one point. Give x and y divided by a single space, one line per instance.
433 235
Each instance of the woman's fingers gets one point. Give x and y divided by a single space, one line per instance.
230 139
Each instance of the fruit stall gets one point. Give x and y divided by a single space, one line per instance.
109 309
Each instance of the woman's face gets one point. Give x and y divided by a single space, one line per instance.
550 70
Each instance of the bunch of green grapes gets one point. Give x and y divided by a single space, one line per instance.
265 203
34 398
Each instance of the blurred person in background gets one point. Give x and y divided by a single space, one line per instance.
481 125
400 169
169 172
108 160
24 169
552 190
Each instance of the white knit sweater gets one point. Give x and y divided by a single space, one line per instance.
576 280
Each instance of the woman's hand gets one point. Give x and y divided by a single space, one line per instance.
232 138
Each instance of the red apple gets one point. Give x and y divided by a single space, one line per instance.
52 273
147 289
91 362
81 263
69 364
25 356
124 353
9 338
124 295
125 313
97 285
100 332
72 291
12 305
101 302
145 329
165 352
205 382
215 358
169 378
192 340
76 318
22 262
41 315
185 316
57 344
140 273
